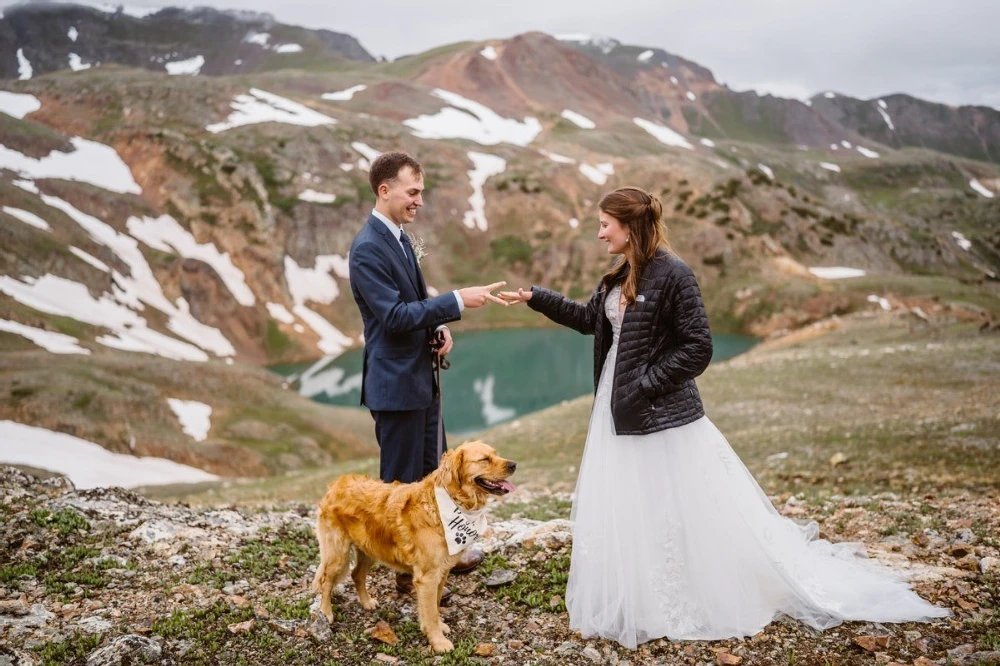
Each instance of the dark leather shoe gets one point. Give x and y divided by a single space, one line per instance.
470 559
404 585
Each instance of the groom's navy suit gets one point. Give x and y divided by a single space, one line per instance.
397 382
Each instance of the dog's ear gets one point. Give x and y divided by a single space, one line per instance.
457 463
451 468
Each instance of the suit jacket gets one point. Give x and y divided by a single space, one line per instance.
399 321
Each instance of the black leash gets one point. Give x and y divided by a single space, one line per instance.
440 363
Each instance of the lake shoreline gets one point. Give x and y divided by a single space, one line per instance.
496 375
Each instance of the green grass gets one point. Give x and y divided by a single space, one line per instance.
407 66
539 585
987 632
290 424
545 507
84 582
64 521
64 570
66 574
15 572
412 645
205 184
73 649
288 550
31 138
284 609
509 250
310 59
276 343
731 123
207 629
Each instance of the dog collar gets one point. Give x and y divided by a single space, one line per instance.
461 527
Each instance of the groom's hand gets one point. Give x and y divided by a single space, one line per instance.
444 342
474 297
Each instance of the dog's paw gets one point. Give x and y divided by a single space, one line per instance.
445 629
442 645
326 611
370 604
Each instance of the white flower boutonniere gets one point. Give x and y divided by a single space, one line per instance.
418 245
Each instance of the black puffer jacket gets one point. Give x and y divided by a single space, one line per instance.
664 344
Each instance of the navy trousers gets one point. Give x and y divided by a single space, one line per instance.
408 443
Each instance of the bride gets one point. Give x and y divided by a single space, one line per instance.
672 535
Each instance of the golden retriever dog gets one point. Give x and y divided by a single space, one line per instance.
398 524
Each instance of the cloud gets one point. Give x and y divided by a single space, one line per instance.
940 51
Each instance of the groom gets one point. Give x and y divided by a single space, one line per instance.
402 325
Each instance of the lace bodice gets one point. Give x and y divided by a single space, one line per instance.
614 312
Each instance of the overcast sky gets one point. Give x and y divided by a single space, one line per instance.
941 51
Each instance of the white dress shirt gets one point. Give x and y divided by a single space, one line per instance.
397 232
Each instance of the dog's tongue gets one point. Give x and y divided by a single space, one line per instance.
506 485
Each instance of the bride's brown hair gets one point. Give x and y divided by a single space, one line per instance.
641 214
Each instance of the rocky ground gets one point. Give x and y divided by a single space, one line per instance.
883 429
107 577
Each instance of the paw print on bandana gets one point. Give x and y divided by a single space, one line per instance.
460 539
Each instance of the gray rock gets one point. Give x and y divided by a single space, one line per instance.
14 607
288 627
567 648
501 577
960 652
526 532
12 657
183 647
36 617
591 653
128 649
94 624
966 535
320 629
115 561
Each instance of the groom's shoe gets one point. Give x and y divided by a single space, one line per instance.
470 559
404 584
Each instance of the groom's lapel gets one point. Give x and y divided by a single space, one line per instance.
395 249
421 283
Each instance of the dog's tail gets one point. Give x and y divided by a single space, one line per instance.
332 551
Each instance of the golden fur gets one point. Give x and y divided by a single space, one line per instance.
398 524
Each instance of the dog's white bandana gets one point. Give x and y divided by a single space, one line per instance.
461 527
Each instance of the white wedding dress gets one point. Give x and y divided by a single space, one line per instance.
673 538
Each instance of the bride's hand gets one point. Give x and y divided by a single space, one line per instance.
515 297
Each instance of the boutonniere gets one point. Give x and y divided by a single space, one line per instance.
418 245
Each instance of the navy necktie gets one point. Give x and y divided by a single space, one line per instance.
407 249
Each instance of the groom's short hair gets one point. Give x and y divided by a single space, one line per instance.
387 166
